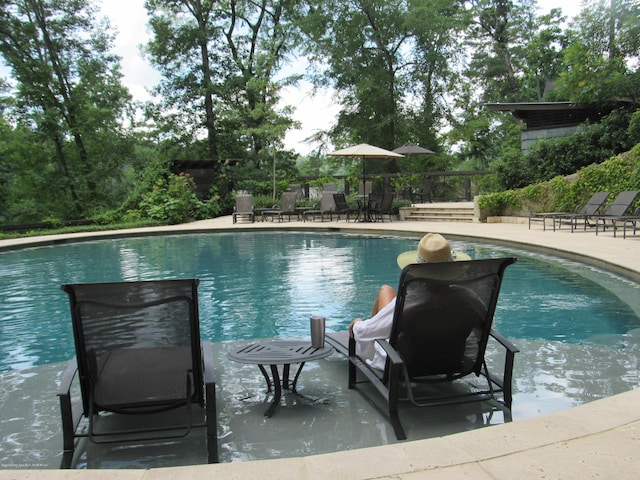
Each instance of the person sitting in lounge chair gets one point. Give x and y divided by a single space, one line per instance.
432 248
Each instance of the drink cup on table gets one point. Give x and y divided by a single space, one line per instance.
317 331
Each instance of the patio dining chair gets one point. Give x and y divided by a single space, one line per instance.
138 354
383 207
327 208
342 207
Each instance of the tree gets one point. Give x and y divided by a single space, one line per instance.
602 60
68 92
514 52
389 61
219 62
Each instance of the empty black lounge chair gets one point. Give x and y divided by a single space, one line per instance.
593 206
327 207
617 212
442 323
244 208
630 220
138 353
287 207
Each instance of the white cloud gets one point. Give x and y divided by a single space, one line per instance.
316 111
129 19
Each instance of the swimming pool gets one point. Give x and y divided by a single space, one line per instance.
577 326
262 285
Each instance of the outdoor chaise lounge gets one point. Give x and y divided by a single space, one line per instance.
327 208
244 208
287 207
631 221
616 213
138 354
593 206
441 326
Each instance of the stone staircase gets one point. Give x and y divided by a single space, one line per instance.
439 212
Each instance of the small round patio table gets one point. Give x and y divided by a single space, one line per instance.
278 352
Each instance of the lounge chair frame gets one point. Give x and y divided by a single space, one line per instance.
123 369
400 374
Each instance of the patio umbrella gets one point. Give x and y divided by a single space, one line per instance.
364 151
412 149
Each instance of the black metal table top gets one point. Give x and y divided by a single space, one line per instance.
278 352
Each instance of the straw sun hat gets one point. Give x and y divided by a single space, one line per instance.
433 247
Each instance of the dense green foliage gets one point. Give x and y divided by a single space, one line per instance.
74 144
616 133
564 194
61 137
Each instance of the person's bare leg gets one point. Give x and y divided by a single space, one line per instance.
385 295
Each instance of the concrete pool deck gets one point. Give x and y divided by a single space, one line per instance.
598 439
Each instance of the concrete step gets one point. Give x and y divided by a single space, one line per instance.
439 212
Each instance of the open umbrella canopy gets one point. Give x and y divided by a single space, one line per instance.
412 149
365 150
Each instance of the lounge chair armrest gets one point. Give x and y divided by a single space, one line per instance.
210 398
71 414
207 360
67 377
507 376
392 355
511 348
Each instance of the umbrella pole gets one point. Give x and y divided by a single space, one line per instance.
365 197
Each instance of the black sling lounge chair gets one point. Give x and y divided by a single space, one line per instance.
593 206
441 327
617 211
138 352
287 207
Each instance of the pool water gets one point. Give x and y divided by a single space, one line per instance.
263 285
577 327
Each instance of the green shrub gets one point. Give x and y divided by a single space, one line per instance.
498 202
172 200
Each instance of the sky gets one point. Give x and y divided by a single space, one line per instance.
314 112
